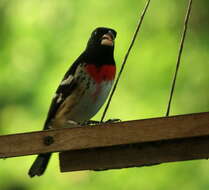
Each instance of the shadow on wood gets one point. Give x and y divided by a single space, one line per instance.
143 154
176 142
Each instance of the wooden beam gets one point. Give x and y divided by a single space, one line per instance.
105 135
135 155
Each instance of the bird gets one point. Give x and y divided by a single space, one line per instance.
83 89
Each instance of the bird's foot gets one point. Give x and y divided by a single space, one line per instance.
93 122
113 121
90 122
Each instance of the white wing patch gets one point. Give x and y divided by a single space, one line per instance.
59 99
67 80
58 96
55 95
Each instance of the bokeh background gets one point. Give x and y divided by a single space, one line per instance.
39 40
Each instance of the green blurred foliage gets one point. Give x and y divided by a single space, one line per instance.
39 40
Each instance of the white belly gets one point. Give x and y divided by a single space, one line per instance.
90 102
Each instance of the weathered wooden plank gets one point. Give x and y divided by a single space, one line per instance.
143 154
129 132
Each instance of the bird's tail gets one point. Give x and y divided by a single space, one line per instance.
39 165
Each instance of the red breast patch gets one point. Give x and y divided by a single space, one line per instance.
102 73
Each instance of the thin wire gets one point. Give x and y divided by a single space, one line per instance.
179 54
125 59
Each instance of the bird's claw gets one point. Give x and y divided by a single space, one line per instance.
93 122
90 122
113 121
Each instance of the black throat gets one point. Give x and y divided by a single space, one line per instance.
100 55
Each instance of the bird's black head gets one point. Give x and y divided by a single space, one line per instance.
100 47
102 37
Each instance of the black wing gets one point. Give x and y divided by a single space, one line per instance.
63 91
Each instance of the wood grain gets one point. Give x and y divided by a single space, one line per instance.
135 155
129 132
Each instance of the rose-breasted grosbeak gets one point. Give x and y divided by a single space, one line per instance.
83 90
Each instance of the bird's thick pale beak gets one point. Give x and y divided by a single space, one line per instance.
107 39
